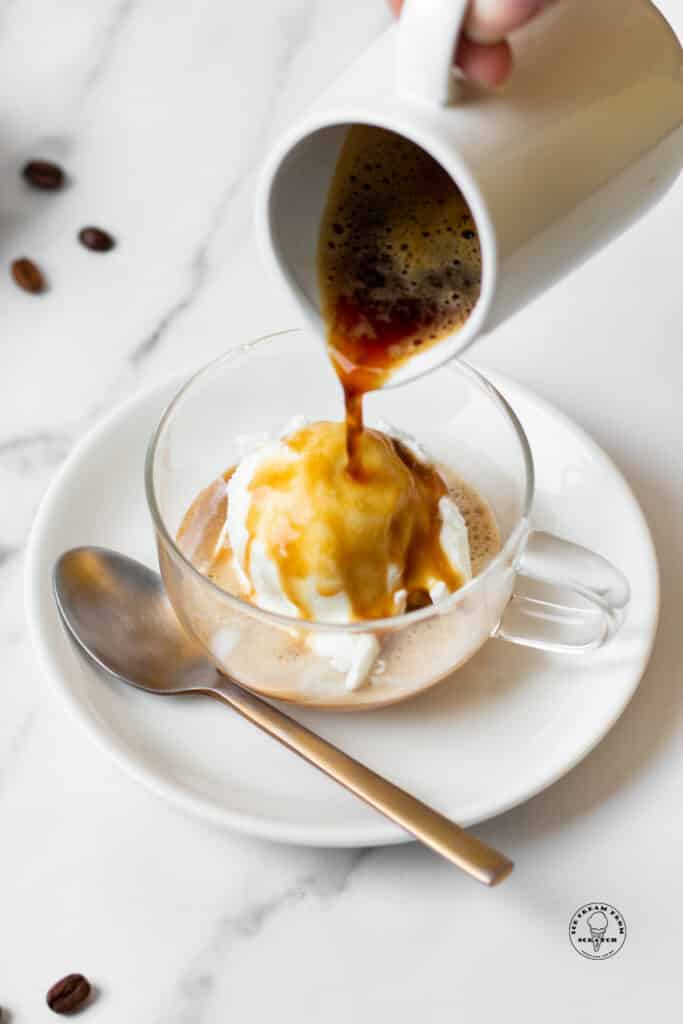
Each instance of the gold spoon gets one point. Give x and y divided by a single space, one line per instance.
117 611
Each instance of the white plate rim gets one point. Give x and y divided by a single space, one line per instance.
372 833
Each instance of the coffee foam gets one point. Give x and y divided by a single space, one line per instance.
398 238
482 529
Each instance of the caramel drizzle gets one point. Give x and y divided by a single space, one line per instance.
403 523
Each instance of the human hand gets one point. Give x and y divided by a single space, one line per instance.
483 53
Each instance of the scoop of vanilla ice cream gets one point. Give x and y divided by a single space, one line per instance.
309 542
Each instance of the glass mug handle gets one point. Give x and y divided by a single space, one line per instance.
428 33
587 607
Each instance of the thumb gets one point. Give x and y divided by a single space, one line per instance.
487 63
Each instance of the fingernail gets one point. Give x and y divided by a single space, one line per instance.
482 35
491 20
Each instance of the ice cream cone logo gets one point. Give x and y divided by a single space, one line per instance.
597 930
598 925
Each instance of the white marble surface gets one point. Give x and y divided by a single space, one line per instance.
161 110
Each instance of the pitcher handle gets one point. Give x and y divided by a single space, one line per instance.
428 33
591 606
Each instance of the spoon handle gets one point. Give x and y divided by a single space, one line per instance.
431 828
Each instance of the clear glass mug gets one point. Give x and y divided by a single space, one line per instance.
539 591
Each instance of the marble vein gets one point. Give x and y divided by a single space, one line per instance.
295 28
199 270
22 442
109 38
49 448
8 552
192 995
12 754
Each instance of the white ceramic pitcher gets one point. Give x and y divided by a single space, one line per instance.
585 138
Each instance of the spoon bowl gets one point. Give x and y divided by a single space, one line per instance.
117 610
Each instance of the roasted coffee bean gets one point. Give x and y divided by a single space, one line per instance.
28 276
43 174
96 239
69 994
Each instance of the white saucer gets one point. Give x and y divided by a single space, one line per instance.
508 724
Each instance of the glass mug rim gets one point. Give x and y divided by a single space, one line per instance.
391 623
